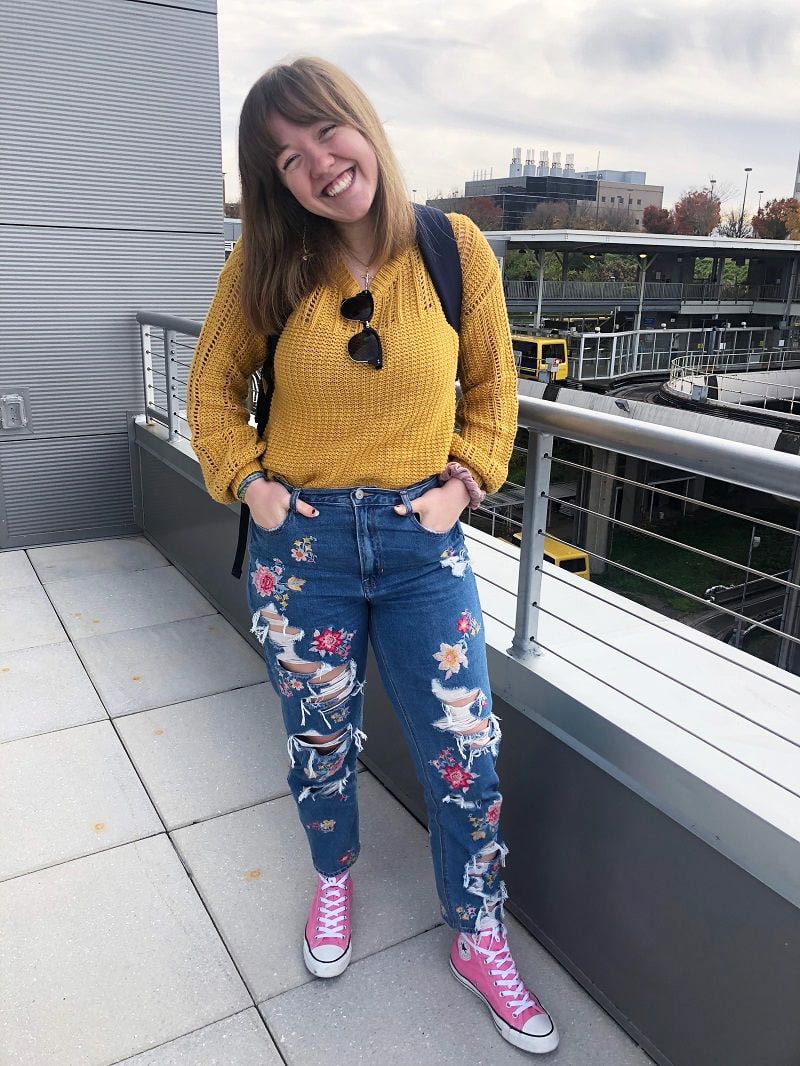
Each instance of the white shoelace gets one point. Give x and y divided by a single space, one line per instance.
509 981
332 907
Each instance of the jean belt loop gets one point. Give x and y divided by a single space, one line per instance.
406 500
293 500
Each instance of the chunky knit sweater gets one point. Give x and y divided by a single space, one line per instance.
335 423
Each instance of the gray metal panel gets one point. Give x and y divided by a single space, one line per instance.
77 492
72 339
115 119
112 201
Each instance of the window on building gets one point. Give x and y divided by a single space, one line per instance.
638 203
630 201
603 199
619 199
636 221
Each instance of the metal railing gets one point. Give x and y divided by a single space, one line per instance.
167 345
731 462
572 291
166 361
769 380
600 356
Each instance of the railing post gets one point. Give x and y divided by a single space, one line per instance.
147 370
171 374
534 526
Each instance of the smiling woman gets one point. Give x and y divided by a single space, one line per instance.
355 492
301 126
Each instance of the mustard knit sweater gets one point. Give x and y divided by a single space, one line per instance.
334 423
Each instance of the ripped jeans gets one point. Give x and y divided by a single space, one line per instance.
317 589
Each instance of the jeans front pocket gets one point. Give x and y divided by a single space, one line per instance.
416 521
274 529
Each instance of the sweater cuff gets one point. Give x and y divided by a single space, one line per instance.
246 471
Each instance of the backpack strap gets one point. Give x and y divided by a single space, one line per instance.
437 245
266 386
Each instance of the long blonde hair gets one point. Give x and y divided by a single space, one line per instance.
274 276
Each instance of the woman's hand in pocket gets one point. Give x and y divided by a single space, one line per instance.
439 508
269 503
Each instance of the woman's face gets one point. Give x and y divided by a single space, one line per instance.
315 160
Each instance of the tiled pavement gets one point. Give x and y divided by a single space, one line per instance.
153 873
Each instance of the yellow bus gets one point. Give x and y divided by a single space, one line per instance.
563 555
531 353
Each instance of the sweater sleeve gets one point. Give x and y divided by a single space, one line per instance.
487 412
227 354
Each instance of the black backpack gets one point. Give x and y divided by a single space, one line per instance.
439 251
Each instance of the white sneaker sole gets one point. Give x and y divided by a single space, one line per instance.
326 969
539 1045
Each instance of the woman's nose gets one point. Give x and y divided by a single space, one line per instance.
322 162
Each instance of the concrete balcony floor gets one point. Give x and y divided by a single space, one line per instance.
154 876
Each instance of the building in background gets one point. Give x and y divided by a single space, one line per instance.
624 190
797 180
530 184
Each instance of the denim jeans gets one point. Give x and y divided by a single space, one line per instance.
317 589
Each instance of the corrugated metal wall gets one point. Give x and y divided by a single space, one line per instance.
111 179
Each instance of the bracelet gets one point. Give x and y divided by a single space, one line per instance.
476 494
255 476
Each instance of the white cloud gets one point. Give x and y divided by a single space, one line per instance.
684 89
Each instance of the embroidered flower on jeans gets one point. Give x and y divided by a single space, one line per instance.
451 658
268 582
325 826
288 684
451 770
332 642
467 624
264 580
302 551
458 777
466 913
347 858
483 824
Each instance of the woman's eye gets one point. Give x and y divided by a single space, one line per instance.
326 128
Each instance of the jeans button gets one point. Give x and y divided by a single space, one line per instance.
359 494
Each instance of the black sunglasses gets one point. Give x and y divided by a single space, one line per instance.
364 347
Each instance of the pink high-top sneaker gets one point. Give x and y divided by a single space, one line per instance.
484 964
326 945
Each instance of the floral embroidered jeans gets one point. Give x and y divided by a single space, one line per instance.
317 589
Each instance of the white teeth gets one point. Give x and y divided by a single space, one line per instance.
342 184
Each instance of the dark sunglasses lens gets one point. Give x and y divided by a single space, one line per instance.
365 347
361 306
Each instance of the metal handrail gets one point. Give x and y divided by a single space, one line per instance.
731 461
741 464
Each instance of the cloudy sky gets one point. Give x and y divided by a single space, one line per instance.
685 90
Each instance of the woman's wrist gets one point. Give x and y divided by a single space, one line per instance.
466 477
247 481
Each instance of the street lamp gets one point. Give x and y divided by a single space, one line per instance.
747 171
712 183
760 194
414 195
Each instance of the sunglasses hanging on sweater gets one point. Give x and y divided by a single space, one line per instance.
363 347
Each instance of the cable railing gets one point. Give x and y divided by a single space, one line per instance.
525 509
679 451
574 291
766 380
